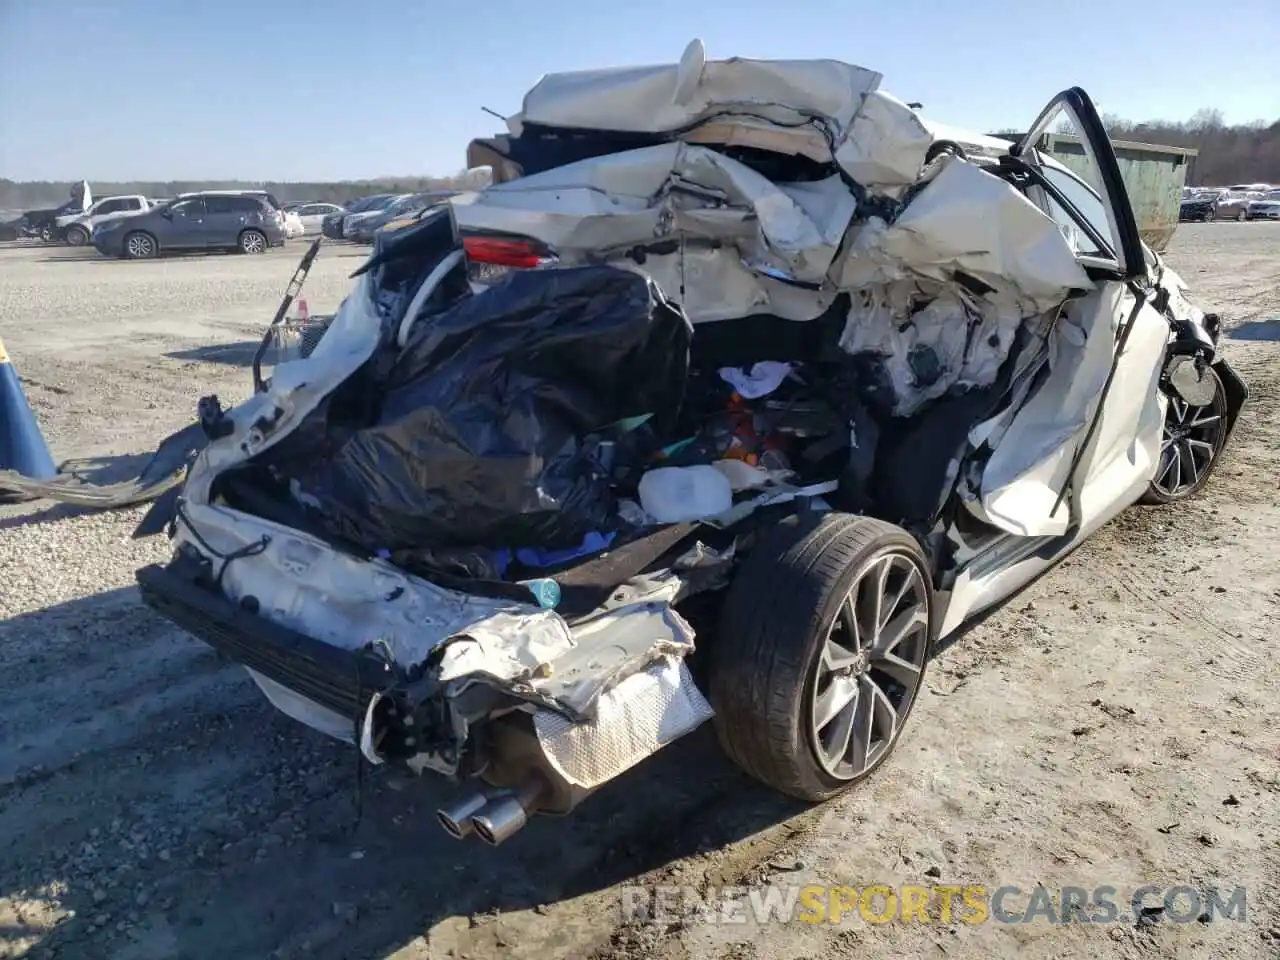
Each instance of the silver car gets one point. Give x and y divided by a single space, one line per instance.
1232 206
1268 208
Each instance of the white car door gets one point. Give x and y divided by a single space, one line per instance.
1086 443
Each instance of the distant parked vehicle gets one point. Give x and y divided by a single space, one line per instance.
76 229
416 213
266 195
332 225
1233 206
43 224
247 222
1268 208
361 227
313 215
1198 208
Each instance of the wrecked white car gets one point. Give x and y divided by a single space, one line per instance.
737 355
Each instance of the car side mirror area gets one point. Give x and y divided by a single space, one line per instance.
1190 338
167 214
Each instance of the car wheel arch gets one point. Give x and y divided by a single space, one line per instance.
155 242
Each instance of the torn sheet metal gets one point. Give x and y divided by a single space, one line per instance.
641 197
968 220
634 720
1028 467
929 339
305 711
506 646
714 283
736 244
609 648
304 584
885 147
658 99
942 291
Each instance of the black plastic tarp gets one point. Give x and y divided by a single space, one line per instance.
484 430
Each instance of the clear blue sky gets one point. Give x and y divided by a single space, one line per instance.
333 89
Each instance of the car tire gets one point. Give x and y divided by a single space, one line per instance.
804 628
77 236
1240 216
139 245
1211 215
252 242
1190 446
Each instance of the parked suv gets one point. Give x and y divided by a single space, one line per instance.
248 222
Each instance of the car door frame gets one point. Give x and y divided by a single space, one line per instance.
191 234
1129 262
1007 563
222 229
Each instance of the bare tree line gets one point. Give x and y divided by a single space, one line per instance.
1228 153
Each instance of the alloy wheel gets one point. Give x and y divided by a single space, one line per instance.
252 242
1192 438
140 245
869 669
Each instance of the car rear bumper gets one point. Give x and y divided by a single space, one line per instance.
339 680
464 726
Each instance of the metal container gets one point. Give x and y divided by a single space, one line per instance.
1153 174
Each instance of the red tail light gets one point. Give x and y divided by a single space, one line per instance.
523 254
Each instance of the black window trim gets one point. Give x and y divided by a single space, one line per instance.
183 200
1130 257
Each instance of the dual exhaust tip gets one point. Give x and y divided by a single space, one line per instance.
493 816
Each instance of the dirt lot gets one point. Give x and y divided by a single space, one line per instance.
1117 724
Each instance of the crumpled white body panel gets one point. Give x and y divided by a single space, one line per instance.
967 219
663 192
642 99
751 246
745 240
1029 466
885 146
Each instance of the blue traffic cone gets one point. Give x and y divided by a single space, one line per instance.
22 445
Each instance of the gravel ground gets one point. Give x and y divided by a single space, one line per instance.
1116 724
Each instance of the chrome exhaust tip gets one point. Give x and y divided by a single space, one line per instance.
458 819
505 814
500 820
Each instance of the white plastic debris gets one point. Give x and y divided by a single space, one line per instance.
759 381
745 476
682 494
